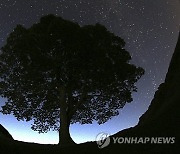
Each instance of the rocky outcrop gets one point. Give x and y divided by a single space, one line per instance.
165 107
162 119
4 133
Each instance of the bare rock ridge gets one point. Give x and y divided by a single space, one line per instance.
163 115
165 107
162 119
4 133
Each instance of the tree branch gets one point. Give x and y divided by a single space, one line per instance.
74 109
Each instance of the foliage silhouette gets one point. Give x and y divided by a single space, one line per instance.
57 72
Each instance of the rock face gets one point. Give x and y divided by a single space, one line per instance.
162 119
4 133
164 111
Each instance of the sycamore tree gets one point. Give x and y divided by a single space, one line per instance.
57 73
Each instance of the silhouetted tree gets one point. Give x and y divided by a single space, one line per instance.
57 73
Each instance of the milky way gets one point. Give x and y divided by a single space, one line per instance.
149 28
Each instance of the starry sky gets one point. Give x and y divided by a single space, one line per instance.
149 28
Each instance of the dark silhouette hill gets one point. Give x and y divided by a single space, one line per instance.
4 132
162 119
166 99
163 111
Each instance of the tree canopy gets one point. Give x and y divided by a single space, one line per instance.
57 66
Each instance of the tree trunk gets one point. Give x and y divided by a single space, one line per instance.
64 134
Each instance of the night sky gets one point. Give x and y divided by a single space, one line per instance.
150 29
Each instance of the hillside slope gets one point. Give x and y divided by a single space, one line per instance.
4 132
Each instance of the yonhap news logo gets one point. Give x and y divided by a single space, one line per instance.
144 140
103 140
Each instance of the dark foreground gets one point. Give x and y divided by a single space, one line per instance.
15 147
